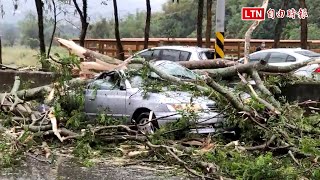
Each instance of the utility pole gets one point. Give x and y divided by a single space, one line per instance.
220 16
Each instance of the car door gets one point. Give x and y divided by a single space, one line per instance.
106 96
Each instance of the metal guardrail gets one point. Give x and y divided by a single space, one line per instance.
233 48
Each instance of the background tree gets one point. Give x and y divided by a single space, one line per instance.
116 30
209 23
83 18
9 33
29 31
304 27
54 25
39 6
199 22
279 25
101 29
147 28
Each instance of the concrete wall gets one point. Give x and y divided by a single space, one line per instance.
29 79
302 92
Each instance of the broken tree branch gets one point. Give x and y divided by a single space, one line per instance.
247 36
263 89
166 76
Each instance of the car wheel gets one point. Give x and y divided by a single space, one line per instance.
144 125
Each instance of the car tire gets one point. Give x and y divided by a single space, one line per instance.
144 126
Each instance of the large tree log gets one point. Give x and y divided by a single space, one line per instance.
89 55
261 66
208 64
42 91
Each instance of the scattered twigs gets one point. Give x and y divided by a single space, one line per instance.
262 146
38 159
293 158
53 121
127 128
171 151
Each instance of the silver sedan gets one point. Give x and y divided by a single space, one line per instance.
117 95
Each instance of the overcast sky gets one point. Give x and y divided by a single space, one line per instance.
95 9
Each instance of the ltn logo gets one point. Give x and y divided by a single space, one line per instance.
252 13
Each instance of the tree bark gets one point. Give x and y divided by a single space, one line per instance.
83 18
279 26
54 26
39 5
208 64
304 27
116 30
199 22
147 28
260 66
209 23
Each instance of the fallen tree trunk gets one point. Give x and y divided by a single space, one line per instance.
89 55
40 92
260 66
207 64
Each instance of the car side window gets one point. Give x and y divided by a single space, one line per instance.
276 57
146 55
170 55
108 82
258 56
156 54
184 56
291 59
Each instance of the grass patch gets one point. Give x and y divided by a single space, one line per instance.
22 56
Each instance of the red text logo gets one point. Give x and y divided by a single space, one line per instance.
252 13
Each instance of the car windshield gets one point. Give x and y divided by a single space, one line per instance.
308 53
176 70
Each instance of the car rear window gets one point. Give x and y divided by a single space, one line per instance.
308 53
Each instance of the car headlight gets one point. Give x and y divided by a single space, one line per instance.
181 107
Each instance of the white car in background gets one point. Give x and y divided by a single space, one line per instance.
288 56
176 53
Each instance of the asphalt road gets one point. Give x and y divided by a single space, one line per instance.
66 169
